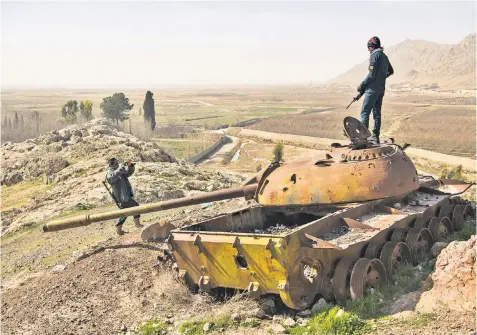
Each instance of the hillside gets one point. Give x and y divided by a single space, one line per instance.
425 63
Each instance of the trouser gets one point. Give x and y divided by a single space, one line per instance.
128 204
372 102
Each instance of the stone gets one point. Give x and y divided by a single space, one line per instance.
59 268
289 322
319 306
406 302
11 177
207 327
277 329
453 279
437 248
304 314
302 322
259 313
236 317
397 205
268 306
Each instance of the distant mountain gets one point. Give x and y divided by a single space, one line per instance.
422 62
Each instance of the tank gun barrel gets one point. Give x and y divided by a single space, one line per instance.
84 220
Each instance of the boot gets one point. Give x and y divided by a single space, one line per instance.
137 223
374 139
119 230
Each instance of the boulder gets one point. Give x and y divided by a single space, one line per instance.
454 280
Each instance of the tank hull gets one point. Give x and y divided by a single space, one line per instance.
237 251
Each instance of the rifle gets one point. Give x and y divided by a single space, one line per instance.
111 194
356 98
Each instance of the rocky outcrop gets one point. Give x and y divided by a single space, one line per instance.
53 151
73 162
454 279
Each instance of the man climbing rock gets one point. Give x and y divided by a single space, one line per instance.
117 177
373 86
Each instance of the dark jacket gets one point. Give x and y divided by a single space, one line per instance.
379 69
118 179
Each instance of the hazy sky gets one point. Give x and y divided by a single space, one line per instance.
143 44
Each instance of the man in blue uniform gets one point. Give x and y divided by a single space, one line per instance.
373 86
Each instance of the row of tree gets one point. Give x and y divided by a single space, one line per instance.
20 128
69 111
115 108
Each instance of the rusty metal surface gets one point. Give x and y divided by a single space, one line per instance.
350 176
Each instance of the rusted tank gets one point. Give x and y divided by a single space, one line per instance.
350 173
331 226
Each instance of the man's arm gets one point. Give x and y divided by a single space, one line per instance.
113 175
131 169
373 68
390 70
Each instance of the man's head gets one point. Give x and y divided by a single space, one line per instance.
374 43
113 163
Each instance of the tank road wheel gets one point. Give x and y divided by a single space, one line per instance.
373 249
366 274
341 280
299 290
446 210
461 212
421 222
326 287
469 211
419 241
393 255
440 228
399 234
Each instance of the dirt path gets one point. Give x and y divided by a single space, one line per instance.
216 159
467 163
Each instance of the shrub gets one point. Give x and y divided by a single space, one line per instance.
278 152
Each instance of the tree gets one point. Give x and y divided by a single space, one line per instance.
140 111
149 112
86 110
116 107
22 124
16 121
5 122
278 152
36 117
69 110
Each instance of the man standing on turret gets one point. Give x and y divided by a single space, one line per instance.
373 86
117 177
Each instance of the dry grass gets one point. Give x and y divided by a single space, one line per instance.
449 130
177 297
446 130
